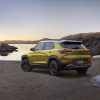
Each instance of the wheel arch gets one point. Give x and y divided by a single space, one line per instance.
24 57
53 57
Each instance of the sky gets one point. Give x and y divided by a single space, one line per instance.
37 19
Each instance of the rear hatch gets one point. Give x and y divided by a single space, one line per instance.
74 50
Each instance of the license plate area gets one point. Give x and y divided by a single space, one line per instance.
80 62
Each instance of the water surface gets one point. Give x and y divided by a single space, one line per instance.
22 49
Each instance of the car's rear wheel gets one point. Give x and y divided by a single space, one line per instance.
25 65
54 67
82 71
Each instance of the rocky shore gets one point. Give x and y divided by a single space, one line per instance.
4 47
90 40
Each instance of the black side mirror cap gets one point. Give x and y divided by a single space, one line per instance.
32 49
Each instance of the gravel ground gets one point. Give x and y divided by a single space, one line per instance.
39 85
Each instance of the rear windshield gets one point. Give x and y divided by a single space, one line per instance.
72 45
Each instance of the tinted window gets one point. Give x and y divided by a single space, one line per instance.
39 46
49 45
72 45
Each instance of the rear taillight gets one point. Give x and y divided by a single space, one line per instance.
65 51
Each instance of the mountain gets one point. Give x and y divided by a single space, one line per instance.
90 40
19 42
23 41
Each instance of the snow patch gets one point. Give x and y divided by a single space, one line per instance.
96 80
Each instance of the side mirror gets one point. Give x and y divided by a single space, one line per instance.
32 49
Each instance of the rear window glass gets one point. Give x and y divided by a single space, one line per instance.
73 45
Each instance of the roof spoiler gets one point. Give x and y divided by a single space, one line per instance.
71 41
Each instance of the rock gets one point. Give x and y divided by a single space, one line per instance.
90 40
4 47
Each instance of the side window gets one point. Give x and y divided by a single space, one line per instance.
39 46
49 45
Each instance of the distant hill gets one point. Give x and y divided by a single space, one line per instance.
19 42
90 40
23 41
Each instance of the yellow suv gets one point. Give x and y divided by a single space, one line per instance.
58 55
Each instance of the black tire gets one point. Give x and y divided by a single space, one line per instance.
54 68
26 66
82 71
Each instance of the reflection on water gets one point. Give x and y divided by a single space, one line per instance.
16 55
6 53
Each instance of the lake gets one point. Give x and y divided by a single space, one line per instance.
22 49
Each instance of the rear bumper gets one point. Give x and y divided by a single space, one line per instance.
76 63
75 67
